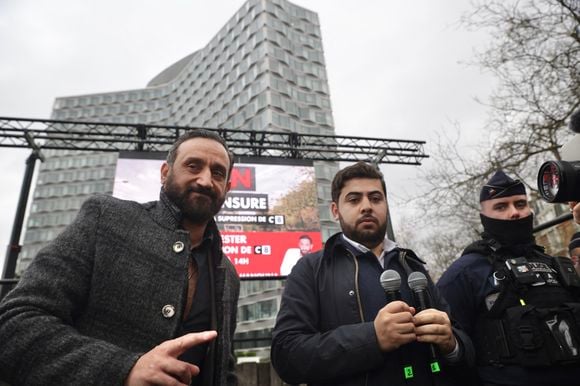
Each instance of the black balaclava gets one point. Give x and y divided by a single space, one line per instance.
509 232
506 232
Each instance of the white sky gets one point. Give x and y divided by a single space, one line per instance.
395 68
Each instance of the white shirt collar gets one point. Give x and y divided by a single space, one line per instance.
388 245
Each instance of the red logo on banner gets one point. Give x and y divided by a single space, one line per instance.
243 178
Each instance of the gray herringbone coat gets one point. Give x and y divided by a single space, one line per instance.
91 302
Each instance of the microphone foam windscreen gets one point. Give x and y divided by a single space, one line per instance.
417 281
391 280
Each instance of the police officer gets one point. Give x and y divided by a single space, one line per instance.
520 306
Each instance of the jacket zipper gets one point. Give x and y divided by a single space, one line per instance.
359 303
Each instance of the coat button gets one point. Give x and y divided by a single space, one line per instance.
351 293
178 246
168 311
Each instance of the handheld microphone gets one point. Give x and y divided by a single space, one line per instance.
418 283
391 282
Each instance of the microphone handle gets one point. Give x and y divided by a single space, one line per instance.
423 301
393 295
424 304
433 353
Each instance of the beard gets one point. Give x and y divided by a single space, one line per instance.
370 238
197 204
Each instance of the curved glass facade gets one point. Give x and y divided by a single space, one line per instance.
264 70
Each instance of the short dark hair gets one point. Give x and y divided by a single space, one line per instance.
305 237
358 170
199 133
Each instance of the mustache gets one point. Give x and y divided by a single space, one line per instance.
367 218
201 190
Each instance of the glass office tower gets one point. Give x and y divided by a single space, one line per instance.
264 70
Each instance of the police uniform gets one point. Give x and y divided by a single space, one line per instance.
520 306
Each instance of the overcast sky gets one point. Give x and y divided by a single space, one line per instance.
396 69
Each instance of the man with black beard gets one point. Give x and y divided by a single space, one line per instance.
130 293
520 306
336 325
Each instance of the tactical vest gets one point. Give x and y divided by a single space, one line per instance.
532 317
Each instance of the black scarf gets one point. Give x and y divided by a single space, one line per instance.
509 232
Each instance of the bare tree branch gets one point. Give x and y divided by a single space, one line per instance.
535 56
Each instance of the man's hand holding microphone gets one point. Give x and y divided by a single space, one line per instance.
398 323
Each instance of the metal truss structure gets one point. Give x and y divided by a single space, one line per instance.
40 134
115 137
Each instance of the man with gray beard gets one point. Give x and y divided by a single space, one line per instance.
130 293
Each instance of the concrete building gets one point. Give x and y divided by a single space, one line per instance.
263 70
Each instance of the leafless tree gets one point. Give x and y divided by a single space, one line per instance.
535 56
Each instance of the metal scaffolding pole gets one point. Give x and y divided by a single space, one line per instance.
14 246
